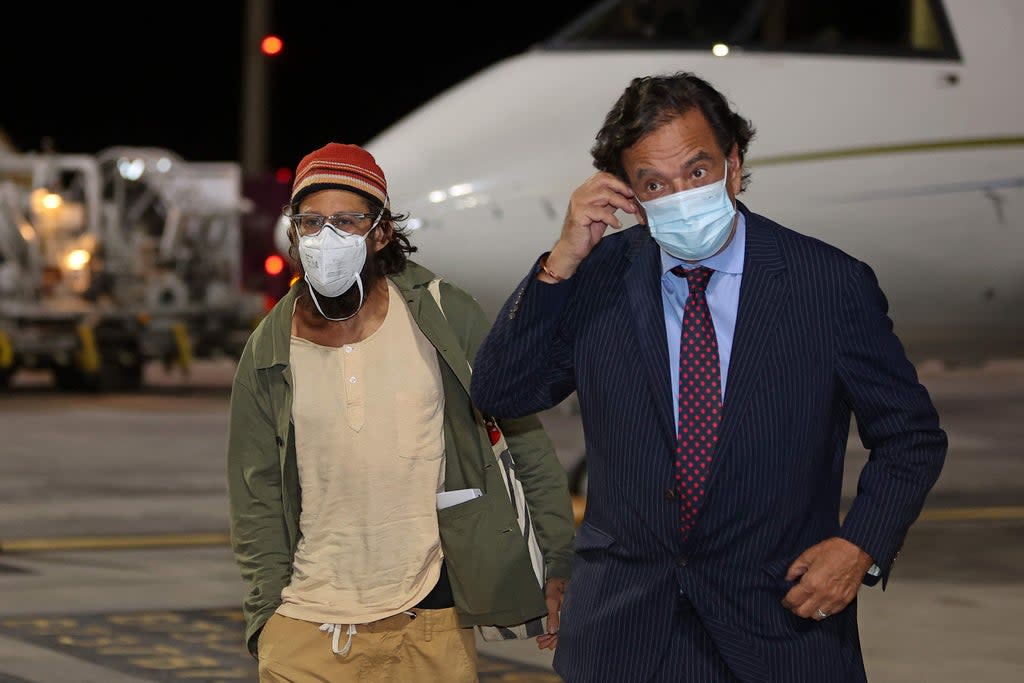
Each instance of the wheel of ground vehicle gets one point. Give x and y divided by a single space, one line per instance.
120 368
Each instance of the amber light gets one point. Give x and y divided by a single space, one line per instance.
273 265
271 45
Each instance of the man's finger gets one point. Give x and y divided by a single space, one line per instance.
796 596
798 568
547 641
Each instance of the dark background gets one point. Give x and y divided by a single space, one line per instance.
87 76
82 77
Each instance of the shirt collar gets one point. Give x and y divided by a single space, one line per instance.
730 260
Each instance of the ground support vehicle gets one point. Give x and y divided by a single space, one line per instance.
111 261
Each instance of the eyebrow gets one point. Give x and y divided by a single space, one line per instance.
695 159
336 213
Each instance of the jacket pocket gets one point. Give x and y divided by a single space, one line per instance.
488 562
589 537
776 571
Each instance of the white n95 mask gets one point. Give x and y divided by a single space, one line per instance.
693 224
332 261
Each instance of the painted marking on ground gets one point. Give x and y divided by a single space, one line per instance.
186 646
130 542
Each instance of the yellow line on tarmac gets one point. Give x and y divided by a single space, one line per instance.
579 504
27 545
981 513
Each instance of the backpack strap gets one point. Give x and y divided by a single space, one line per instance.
435 291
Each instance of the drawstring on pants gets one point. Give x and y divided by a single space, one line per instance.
336 630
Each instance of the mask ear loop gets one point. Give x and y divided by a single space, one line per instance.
359 278
312 292
379 215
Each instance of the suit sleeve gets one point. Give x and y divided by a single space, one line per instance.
525 363
896 420
545 483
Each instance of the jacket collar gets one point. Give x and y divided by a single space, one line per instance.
272 339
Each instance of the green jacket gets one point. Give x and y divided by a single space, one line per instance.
487 557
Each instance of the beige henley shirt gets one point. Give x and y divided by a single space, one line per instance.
370 444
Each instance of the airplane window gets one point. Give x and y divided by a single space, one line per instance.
880 27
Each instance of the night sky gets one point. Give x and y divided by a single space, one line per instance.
85 76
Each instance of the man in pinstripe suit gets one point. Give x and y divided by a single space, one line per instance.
723 559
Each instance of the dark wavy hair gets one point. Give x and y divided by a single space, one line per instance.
649 102
393 258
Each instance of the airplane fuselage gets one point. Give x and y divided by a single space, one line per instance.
910 164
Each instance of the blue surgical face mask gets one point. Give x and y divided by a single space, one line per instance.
693 224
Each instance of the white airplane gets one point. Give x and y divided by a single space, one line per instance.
893 129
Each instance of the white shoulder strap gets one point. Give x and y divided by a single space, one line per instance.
435 291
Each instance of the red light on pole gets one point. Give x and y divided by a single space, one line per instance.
273 265
271 45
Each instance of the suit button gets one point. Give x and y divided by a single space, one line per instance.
682 561
670 494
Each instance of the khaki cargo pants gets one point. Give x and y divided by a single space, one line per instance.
400 649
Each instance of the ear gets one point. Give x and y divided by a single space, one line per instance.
383 235
293 247
735 181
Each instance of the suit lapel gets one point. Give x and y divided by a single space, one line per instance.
643 289
762 292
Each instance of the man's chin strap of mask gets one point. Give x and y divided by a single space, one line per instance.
359 277
316 302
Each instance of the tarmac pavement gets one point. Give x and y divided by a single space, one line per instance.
114 566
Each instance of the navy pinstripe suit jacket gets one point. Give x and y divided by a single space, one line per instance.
813 343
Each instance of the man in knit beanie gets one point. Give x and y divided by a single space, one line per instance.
353 171
350 414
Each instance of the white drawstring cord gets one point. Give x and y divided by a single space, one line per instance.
336 630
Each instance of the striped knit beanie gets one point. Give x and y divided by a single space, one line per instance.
336 166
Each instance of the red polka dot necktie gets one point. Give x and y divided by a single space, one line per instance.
700 396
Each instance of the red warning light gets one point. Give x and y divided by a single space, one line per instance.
274 264
283 175
271 45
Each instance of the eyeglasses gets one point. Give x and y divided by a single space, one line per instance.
346 221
